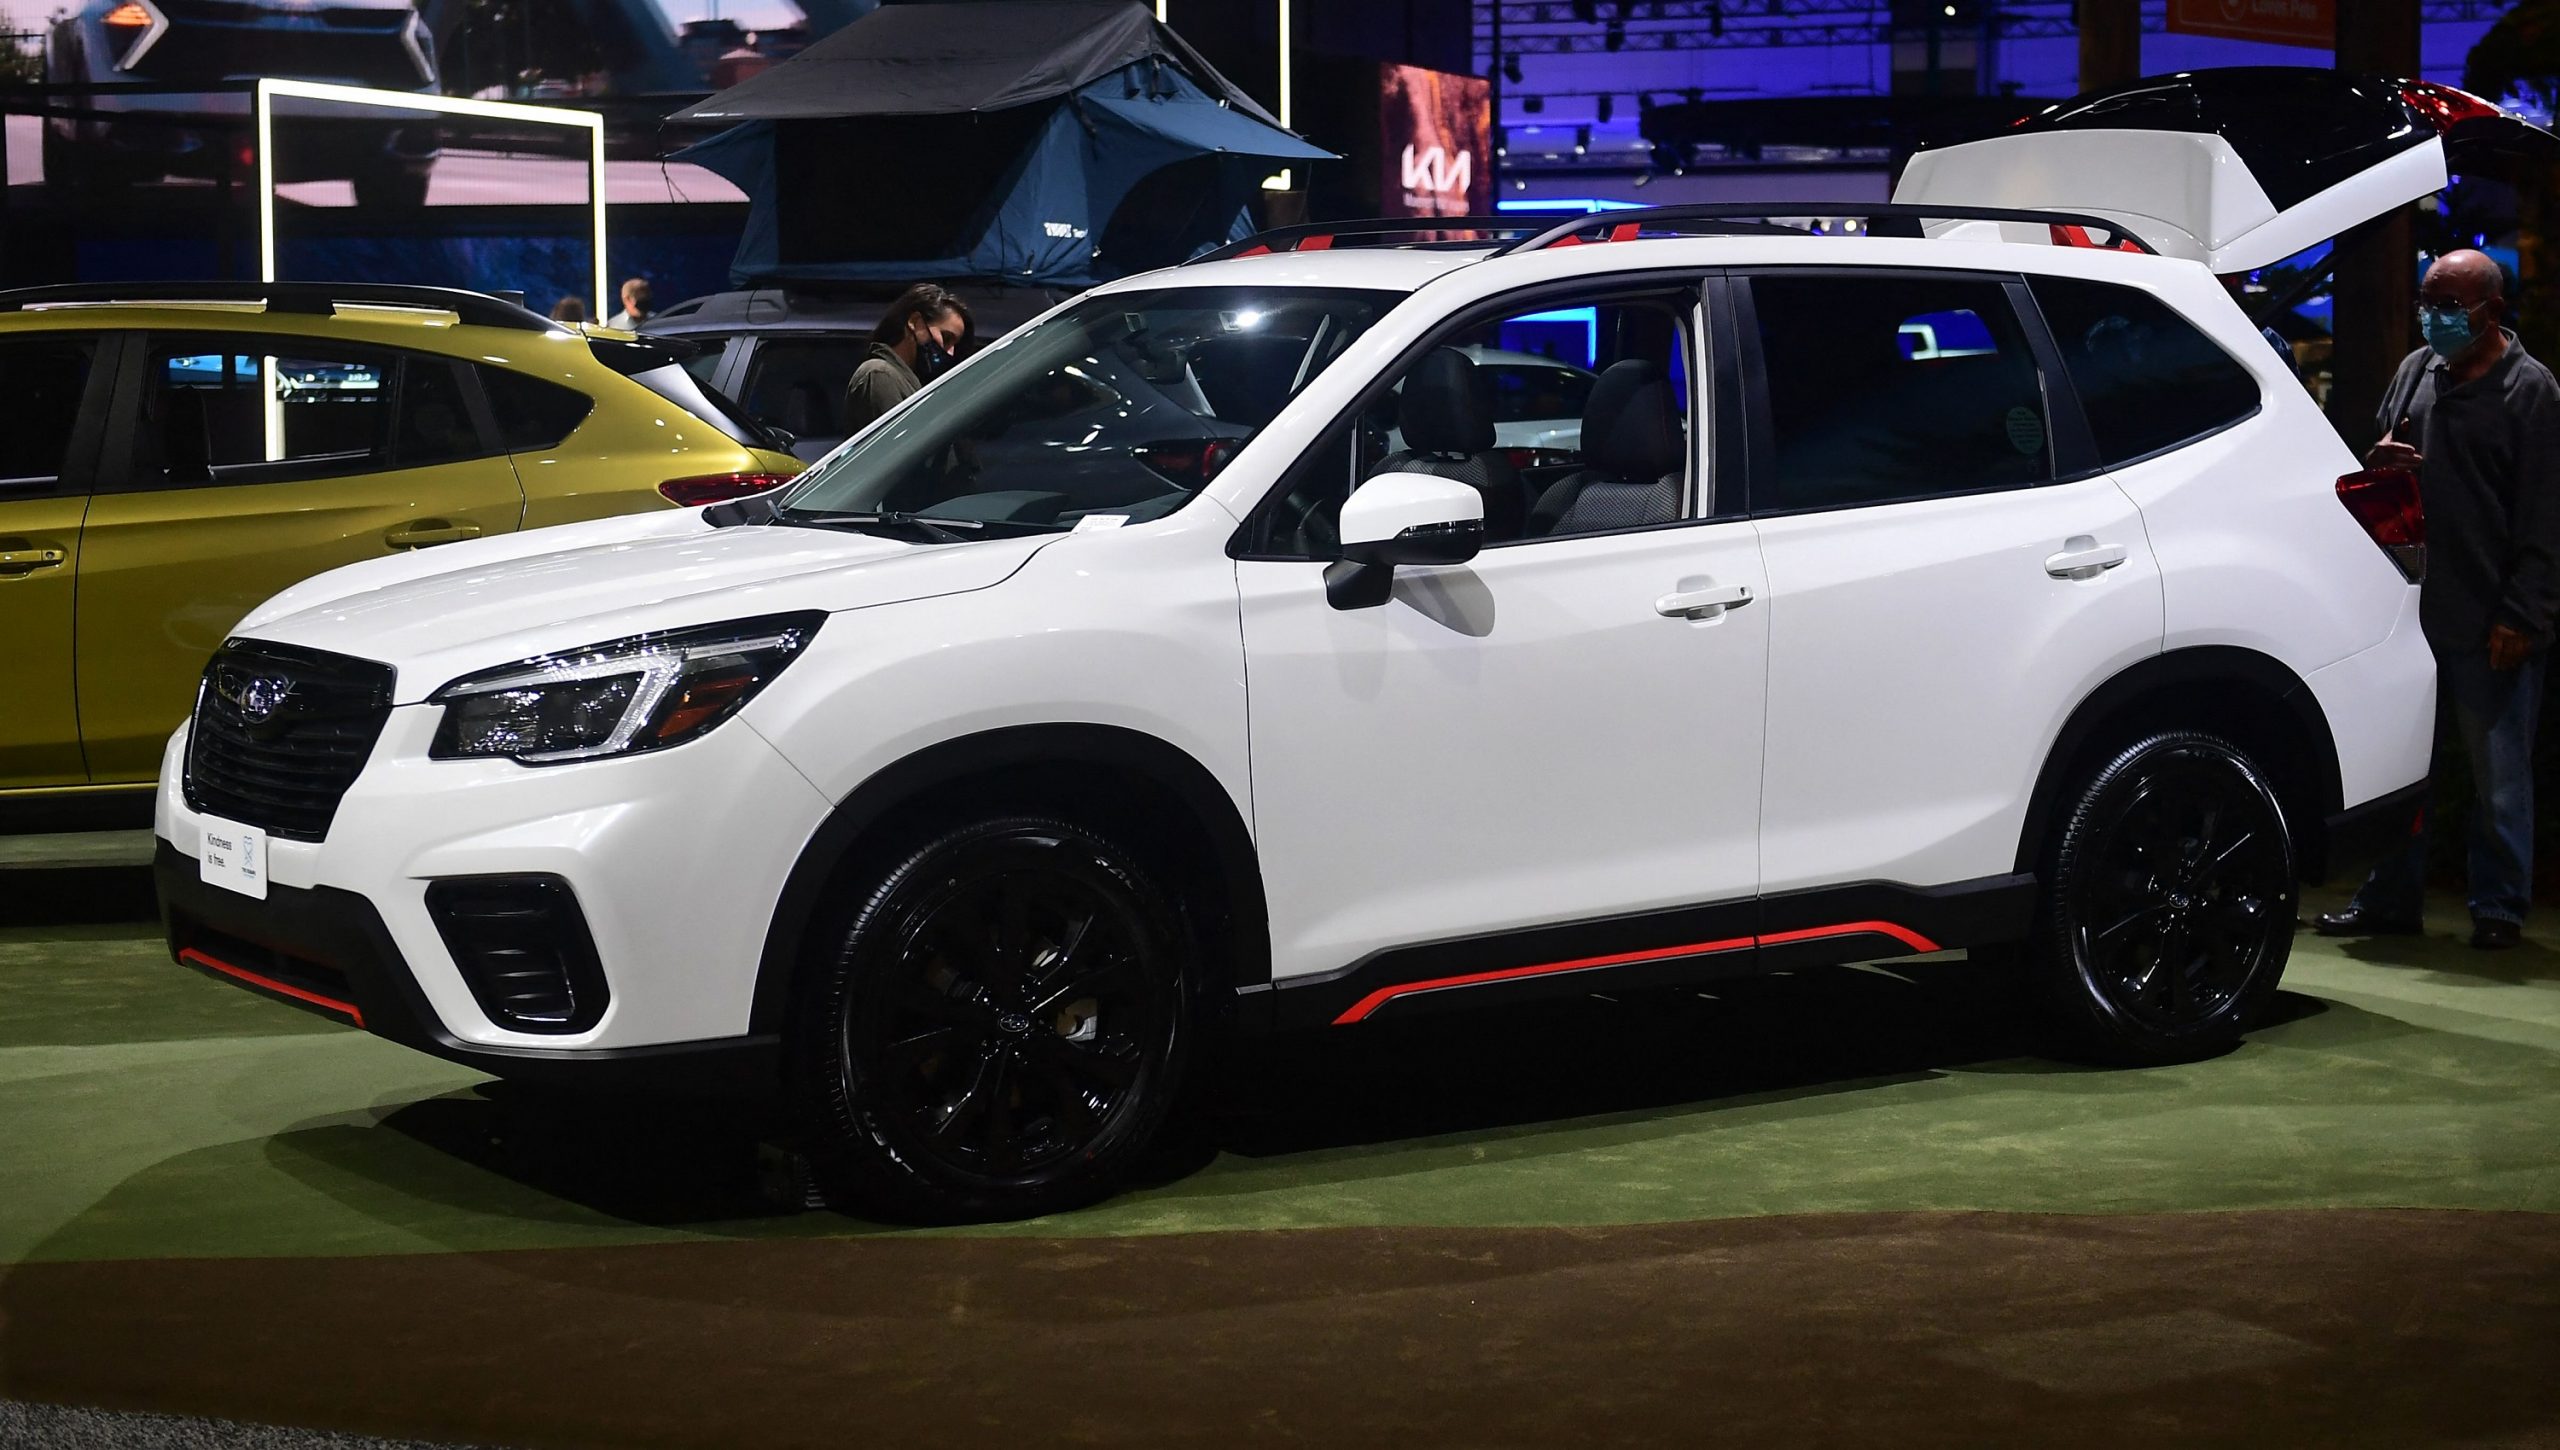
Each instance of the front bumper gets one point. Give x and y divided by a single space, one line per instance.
675 861
327 951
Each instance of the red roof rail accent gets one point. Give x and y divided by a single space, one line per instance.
2077 236
1320 242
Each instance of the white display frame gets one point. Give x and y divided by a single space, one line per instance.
272 89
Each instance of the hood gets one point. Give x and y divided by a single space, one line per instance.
595 582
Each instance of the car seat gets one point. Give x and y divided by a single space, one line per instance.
1635 457
1448 433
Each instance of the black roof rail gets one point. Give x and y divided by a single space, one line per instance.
1902 219
479 309
1295 239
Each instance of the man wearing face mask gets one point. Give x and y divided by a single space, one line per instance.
915 341
2480 423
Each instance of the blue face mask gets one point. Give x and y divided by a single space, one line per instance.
2448 329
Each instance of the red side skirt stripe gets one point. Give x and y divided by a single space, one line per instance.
346 1009
1362 1009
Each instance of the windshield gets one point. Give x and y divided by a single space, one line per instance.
1123 405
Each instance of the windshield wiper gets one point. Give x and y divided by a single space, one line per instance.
931 530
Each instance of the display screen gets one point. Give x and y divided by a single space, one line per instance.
1435 142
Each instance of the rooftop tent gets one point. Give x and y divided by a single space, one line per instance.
1113 147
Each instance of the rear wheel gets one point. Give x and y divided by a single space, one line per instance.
997 1030
2169 901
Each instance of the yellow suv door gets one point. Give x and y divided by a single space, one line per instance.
54 384
247 464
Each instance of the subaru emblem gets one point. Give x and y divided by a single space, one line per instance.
257 697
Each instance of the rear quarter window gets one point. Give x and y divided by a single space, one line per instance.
533 414
2148 379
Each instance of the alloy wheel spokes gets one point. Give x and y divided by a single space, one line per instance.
2176 898
1023 1018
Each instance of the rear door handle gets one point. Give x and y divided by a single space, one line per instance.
2083 557
18 563
1703 603
429 532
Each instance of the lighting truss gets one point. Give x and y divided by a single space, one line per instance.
1548 27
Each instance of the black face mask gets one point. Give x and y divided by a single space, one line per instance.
931 357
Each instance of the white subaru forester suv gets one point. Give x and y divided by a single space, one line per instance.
1956 578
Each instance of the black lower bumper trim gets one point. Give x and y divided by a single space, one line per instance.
2355 839
328 951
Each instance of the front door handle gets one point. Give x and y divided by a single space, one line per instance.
1703 603
2083 557
18 563
428 532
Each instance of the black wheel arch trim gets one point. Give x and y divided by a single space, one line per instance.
950 762
2125 695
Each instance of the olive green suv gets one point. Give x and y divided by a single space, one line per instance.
178 452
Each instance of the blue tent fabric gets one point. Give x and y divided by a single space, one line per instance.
1049 211
1195 122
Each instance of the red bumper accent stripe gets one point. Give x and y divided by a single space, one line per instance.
346 1009
1366 1006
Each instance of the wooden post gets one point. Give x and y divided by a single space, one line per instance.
2110 43
2376 287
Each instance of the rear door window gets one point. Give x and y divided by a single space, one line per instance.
216 411
1884 387
2148 379
43 377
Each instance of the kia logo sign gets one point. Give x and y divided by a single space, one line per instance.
1435 174
1432 127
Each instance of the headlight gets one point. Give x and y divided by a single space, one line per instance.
621 697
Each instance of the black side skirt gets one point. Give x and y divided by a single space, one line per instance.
1862 922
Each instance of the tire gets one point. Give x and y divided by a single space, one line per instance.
998 1029
2169 904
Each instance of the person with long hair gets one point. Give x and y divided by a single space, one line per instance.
918 337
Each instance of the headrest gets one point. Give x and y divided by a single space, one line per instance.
1631 426
1442 411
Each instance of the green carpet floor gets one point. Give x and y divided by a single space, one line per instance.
146 1113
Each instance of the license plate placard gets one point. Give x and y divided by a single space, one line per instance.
233 856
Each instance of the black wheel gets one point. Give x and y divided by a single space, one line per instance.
998 1029
2169 901
391 186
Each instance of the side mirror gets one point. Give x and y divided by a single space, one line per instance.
1401 518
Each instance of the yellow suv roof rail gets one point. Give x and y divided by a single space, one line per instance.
477 309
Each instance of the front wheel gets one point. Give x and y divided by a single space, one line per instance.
2169 901
999 1028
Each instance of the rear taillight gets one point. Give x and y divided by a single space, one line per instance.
2386 502
1188 463
2443 106
719 487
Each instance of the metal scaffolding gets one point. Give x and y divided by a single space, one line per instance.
1561 27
